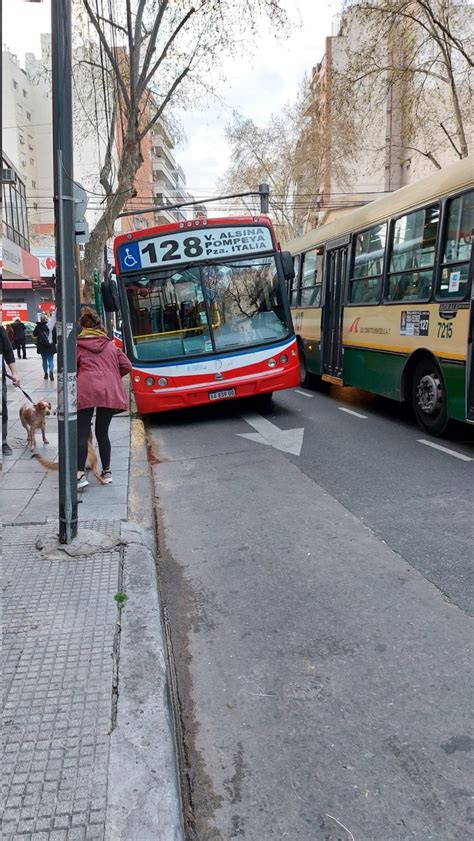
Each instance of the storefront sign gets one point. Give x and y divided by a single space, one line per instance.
11 311
11 256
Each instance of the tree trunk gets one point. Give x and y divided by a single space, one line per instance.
131 159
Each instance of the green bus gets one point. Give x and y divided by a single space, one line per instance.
383 298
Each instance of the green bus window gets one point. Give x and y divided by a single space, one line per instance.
413 254
311 279
453 280
293 289
366 279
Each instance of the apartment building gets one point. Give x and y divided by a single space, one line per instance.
372 137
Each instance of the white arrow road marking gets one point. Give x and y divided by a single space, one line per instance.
444 449
286 440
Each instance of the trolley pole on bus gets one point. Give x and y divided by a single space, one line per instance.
65 271
264 191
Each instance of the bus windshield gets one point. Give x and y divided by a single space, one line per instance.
205 309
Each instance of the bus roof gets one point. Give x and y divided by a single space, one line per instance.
451 179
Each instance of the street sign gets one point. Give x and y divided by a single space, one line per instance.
81 232
80 203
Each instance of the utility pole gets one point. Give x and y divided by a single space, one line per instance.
66 297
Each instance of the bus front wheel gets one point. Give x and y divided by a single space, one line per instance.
429 397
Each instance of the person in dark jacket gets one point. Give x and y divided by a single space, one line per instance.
19 332
100 368
8 358
46 345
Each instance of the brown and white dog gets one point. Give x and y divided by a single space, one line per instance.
34 418
92 461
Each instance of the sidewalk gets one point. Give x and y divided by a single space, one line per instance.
87 734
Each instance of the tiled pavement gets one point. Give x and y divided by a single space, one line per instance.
59 621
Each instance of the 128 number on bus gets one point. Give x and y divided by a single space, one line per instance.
191 248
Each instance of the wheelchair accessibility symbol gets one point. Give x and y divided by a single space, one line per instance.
130 257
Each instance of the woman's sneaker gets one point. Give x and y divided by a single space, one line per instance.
82 481
106 477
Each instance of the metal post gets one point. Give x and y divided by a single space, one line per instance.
264 191
65 269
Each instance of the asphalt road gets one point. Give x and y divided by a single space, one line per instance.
318 610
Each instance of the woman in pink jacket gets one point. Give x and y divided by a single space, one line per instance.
100 368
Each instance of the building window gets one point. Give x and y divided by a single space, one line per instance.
15 84
28 115
14 213
32 161
33 184
24 93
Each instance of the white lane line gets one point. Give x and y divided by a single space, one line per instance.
351 412
303 393
444 449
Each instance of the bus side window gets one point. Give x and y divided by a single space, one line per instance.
456 250
365 283
311 276
410 274
294 288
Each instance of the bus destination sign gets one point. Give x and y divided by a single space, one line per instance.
190 245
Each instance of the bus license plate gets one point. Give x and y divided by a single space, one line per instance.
221 395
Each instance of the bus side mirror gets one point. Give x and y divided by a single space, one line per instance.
288 265
110 295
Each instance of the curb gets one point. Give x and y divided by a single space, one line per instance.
143 799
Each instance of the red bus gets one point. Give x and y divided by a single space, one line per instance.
205 315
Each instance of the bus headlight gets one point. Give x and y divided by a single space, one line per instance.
271 363
162 381
136 378
283 358
149 381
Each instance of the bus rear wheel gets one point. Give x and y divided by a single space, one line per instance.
429 397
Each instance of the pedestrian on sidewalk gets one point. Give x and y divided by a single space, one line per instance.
46 344
8 358
19 332
100 368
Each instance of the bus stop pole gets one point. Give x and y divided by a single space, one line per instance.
66 298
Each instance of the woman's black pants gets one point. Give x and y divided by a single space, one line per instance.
102 422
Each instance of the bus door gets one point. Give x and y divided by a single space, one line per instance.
470 356
337 255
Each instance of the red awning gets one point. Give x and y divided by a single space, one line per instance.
17 284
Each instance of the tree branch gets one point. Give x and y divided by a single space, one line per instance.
152 36
110 55
163 105
170 40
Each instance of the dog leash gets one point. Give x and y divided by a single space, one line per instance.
19 386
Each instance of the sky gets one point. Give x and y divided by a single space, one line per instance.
256 85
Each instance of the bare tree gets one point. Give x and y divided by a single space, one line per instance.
149 50
287 153
419 55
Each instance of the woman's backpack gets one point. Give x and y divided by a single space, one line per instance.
43 343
